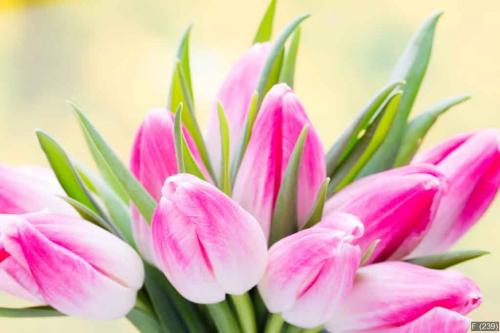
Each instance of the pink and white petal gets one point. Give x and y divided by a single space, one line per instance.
17 280
345 222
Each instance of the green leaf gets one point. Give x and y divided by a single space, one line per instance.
268 75
224 180
417 128
183 56
369 251
411 68
445 260
367 145
287 72
265 29
89 215
223 317
245 311
284 221
351 136
143 321
30 312
139 196
317 211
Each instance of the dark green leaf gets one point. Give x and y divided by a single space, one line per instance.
317 211
287 72
224 180
30 312
445 260
417 128
143 321
265 30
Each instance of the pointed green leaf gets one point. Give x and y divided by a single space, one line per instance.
284 221
417 128
287 72
183 56
30 312
265 29
367 145
319 205
448 259
369 251
88 214
344 145
224 179
411 68
139 196
143 321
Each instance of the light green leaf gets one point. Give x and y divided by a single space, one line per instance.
224 179
89 215
265 29
287 72
284 221
344 145
30 312
139 196
411 68
445 260
369 252
183 56
223 317
317 211
417 128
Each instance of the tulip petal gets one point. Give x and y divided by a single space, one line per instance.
18 281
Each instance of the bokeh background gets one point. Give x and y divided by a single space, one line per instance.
114 57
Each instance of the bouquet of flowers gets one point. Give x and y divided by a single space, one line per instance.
254 227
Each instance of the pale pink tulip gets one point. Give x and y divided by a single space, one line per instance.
276 130
30 189
310 272
72 265
471 163
235 96
399 295
396 206
204 242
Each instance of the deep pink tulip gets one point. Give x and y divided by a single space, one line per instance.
152 161
310 272
471 163
395 206
235 96
72 265
30 189
402 297
278 125
204 242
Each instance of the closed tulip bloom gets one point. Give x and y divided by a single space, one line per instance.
72 265
309 273
471 162
235 96
278 125
397 207
396 295
205 243
30 189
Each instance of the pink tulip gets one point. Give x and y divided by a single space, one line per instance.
235 96
397 207
310 272
275 132
30 189
204 242
153 160
396 295
471 162
72 265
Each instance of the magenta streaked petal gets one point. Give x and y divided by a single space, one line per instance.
17 280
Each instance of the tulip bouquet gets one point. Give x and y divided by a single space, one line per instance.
253 227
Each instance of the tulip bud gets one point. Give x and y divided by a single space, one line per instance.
310 272
394 295
471 163
30 189
277 127
204 242
396 206
72 265
235 96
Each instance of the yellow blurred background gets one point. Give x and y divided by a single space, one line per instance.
115 58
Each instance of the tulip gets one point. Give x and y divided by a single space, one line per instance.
397 207
30 189
310 272
235 95
153 160
471 162
204 242
72 265
275 132
399 295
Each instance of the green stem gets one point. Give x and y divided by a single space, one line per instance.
314 330
274 323
293 329
244 309
223 317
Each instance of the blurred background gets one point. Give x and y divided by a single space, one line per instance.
114 58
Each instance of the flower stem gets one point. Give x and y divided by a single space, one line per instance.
314 330
274 323
223 317
246 315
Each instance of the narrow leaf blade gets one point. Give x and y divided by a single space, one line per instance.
29 312
319 205
224 179
448 259
265 29
287 72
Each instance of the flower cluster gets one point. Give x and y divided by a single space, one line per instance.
350 242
